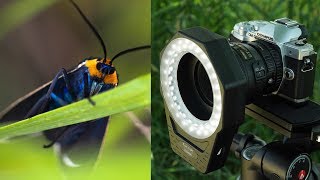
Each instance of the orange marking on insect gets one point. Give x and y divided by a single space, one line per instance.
108 61
94 72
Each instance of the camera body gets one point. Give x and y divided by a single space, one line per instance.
298 57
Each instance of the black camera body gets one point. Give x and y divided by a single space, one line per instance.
300 87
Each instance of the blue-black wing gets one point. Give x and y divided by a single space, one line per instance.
18 109
81 143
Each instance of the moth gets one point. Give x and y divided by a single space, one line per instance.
91 76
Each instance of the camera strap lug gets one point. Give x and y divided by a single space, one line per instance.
307 66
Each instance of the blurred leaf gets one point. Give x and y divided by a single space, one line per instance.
129 96
26 160
20 11
131 156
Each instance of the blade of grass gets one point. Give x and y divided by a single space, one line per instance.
19 11
132 95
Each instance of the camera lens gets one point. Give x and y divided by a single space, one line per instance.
262 64
195 87
203 84
260 61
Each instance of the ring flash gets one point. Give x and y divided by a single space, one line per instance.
199 88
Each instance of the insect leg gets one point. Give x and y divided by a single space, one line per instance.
42 103
58 100
36 108
56 138
68 84
86 89
66 130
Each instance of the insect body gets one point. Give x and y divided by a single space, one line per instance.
90 77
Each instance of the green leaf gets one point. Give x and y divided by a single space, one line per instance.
19 11
132 95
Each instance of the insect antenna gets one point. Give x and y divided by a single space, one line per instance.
94 30
129 50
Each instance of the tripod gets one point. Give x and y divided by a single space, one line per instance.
288 159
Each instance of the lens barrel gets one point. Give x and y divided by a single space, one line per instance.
260 61
262 64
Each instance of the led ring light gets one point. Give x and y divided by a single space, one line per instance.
204 89
173 53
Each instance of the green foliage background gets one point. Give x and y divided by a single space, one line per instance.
168 16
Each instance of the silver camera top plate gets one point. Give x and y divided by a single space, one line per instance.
282 32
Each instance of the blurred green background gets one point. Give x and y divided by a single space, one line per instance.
37 39
168 16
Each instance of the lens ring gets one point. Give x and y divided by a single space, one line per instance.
273 63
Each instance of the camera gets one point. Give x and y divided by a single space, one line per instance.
208 83
277 53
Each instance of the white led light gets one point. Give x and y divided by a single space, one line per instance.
208 66
203 56
215 87
199 133
205 133
216 116
213 76
198 128
170 53
174 98
184 123
197 50
184 46
174 47
191 129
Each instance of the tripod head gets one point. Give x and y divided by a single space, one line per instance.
287 160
